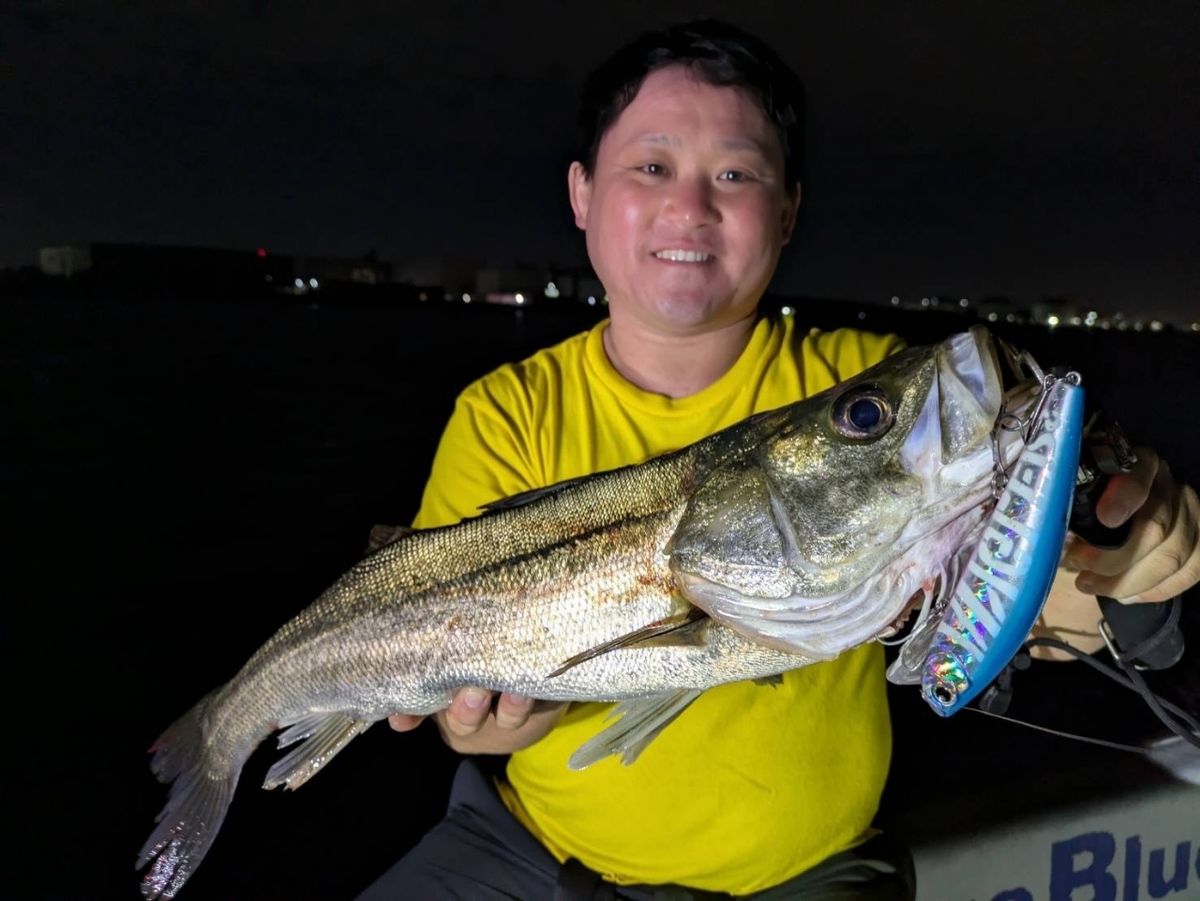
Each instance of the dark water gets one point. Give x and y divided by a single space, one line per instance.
181 477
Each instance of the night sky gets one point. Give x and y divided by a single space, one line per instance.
1022 149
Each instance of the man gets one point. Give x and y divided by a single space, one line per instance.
687 188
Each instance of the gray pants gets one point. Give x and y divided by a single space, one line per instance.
480 852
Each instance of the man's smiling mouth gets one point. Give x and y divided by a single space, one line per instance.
683 256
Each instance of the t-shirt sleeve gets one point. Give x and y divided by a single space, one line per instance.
483 455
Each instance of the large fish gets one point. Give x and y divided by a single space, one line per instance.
788 538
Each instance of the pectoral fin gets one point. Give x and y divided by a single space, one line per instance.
638 721
326 734
683 629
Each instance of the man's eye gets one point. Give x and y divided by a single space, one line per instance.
733 175
654 169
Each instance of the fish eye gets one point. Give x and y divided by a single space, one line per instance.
862 414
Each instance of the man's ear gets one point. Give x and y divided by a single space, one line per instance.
580 188
791 210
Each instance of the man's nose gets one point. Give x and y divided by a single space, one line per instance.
690 202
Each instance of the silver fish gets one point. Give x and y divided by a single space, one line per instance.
788 538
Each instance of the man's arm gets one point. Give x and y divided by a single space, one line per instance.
1159 560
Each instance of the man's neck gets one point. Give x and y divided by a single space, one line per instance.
675 365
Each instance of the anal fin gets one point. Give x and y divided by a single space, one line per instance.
325 734
638 722
683 629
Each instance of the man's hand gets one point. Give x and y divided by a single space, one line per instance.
1159 560
470 725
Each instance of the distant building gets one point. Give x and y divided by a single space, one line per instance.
165 266
1057 312
1000 309
367 270
518 287
445 277
65 261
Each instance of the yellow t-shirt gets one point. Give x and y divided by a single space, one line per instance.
751 785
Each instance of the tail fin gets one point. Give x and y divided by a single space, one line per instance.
202 787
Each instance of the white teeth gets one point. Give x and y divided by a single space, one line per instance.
683 256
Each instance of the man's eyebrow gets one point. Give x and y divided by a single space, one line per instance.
744 144
657 138
661 139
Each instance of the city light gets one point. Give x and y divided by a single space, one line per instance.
591 300
520 298
466 298
551 290
895 301
964 303
1052 321
313 283
787 311
300 284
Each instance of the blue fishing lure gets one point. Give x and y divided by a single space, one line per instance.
1007 577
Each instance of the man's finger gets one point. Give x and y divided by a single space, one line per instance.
1126 492
1171 567
512 711
1151 528
468 711
404 722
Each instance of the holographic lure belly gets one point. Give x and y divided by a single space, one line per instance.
1007 577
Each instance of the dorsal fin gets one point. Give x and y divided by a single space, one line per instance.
382 535
528 497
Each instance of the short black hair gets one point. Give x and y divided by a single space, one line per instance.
718 53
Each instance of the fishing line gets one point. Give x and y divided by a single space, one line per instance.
1173 717
1116 746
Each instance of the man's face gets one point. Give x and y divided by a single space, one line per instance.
687 208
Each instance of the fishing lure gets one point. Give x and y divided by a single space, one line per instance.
1006 579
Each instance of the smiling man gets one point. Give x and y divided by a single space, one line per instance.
687 185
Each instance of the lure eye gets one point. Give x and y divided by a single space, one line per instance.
863 414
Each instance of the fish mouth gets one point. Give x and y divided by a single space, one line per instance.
915 603
1017 403
968 361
